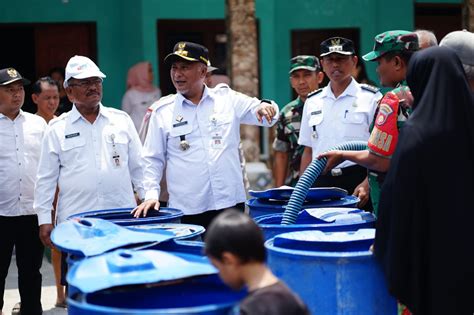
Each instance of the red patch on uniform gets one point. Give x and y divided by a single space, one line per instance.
384 112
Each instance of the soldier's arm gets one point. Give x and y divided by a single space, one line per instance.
364 158
280 168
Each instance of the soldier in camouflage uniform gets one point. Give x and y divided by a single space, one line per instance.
305 77
392 51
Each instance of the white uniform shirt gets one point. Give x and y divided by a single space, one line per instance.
208 175
20 141
135 103
329 121
79 157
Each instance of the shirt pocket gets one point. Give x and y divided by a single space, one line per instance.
316 118
222 129
73 149
220 123
355 124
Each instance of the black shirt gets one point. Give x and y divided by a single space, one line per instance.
276 299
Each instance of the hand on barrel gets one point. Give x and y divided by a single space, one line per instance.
362 192
143 208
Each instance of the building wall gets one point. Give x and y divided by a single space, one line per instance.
126 29
114 52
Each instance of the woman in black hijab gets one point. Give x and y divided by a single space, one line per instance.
425 238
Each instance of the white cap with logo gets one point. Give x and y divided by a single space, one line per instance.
80 67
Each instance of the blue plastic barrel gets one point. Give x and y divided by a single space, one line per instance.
91 237
148 282
258 207
333 272
321 219
190 232
123 217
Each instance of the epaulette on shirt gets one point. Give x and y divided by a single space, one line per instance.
369 88
117 111
165 100
314 93
222 86
59 118
221 89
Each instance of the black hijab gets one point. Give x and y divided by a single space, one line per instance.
425 234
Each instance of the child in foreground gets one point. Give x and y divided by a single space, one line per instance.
234 245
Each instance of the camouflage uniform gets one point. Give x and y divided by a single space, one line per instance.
286 140
384 133
289 122
393 108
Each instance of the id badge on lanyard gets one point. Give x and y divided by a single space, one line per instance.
217 142
116 162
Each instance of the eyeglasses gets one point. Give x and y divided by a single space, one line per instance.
87 83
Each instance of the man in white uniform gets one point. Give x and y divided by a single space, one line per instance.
20 137
342 111
197 133
92 153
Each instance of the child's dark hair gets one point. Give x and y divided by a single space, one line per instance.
235 232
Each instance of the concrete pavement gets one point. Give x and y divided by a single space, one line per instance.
48 293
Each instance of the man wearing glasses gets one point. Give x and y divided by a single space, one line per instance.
92 153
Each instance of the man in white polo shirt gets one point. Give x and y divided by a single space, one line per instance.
197 133
340 112
20 136
92 153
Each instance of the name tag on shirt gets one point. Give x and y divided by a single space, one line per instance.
72 135
316 112
182 123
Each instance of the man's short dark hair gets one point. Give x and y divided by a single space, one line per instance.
405 55
235 232
36 87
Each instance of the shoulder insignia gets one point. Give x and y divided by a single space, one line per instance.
59 118
314 93
165 100
222 86
369 88
116 110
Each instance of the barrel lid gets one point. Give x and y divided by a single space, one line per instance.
359 240
127 267
334 215
89 237
178 229
314 194
271 203
124 215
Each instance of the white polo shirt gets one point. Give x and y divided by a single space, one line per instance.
329 121
20 141
208 175
94 165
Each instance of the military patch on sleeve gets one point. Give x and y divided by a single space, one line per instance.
314 93
369 88
384 111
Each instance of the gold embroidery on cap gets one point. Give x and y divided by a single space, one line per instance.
335 42
12 73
